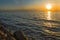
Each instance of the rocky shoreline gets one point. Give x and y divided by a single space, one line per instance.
8 35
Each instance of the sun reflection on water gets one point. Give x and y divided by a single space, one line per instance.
49 15
48 24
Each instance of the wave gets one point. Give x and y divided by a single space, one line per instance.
44 20
35 29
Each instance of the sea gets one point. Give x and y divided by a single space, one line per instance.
36 25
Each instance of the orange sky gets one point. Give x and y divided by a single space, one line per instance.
34 7
28 4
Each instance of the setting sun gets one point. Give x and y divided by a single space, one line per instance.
48 6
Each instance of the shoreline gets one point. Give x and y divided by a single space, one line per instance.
9 35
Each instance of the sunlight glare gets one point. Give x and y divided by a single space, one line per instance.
49 15
48 6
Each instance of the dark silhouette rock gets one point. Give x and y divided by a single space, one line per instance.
3 29
19 35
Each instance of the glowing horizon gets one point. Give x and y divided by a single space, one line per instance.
29 4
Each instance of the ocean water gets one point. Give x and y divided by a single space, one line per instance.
39 25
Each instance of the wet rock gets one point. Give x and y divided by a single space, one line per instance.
9 35
19 35
3 29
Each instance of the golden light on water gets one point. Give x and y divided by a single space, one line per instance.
48 18
52 32
49 6
49 15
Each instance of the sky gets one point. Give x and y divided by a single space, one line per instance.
26 4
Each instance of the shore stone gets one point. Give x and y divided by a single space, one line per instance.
19 35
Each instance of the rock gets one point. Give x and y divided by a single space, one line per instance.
19 35
5 35
9 35
3 29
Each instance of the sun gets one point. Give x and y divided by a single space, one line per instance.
48 6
